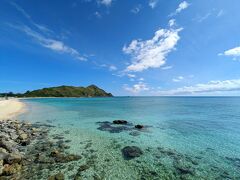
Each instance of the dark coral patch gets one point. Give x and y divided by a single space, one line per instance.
108 126
120 122
130 152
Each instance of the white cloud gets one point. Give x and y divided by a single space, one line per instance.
49 43
211 13
203 18
137 88
212 86
106 2
234 52
220 13
152 3
141 79
171 22
183 5
131 75
178 79
97 14
26 15
152 53
166 67
43 37
107 66
112 68
21 10
136 9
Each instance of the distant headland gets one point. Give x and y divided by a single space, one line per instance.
62 91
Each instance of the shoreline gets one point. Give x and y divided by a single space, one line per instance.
11 108
26 149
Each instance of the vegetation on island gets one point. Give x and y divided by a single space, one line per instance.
63 91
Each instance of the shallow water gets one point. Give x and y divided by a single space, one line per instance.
185 137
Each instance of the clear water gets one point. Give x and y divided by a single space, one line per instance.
201 134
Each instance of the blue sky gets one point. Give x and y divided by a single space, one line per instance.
137 47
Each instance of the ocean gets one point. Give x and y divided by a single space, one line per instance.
182 138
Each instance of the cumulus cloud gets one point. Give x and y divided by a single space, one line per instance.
153 3
137 88
234 52
152 53
178 79
212 86
183 5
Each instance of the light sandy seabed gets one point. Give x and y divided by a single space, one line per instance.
10 108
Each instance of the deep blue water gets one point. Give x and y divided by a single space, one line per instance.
198 134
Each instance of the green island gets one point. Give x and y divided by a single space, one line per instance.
63 91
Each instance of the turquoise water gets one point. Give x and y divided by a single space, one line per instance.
184 138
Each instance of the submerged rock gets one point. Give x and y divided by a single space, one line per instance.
118 126
58 176
83 168
3 155
234 161
183 167
34 130
62 158
58 137
1 167
14 138
72 157
184 170
13 135
130 152
14 158
23 136
25 142
107 126
68 141
120 122
134 133
40 158
138 126
8 145
54 153
11 169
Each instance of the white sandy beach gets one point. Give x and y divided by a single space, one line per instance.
10 108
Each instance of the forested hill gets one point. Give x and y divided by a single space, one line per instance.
68 91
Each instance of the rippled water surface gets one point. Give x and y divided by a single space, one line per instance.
184 137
